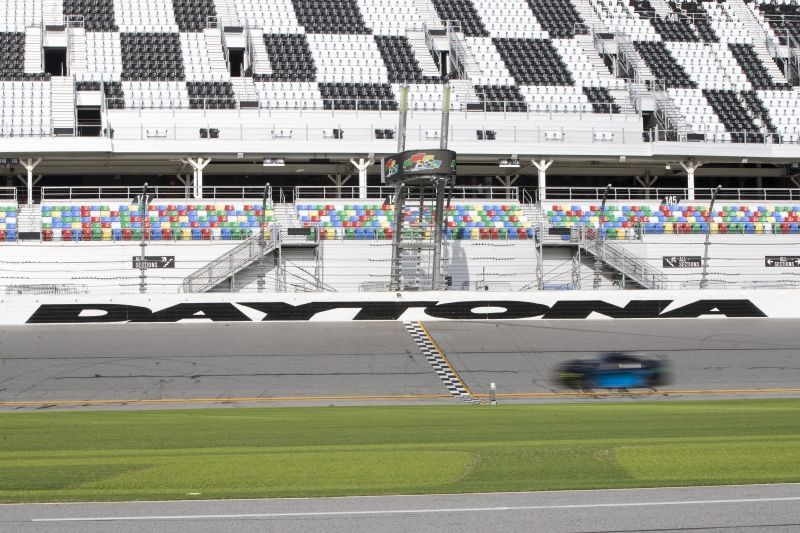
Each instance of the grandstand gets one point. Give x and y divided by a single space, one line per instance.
260 126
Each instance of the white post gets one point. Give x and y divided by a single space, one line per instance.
362 165
198 165
690 166
542 165
30 165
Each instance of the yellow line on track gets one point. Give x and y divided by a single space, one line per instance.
255 399
643 393
400 397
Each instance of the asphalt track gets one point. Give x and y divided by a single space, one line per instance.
772 508
172 365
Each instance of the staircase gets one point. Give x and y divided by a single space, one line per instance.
462 55
617 257
464 91
286 215
753 27
232 262
661 8
29 218
245 91
258 51
227 14
626 50
422 53
53 12
33 50
62 103
77 50
589 15
535 215
428 14
586 42
216 55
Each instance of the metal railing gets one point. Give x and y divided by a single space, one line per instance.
616 133
618 257
307 192
232 261
749 137
8 193
50 194
678 193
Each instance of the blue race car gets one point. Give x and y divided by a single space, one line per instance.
614 370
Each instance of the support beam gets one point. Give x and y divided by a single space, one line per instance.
507 181
197 164
30 165
542 165
362 165
185 181
690 165
339 181
647 182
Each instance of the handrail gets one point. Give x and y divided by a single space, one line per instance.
658 194
309 192
233 261
123 192
631 265
8 193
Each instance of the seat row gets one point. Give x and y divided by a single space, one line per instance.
8 223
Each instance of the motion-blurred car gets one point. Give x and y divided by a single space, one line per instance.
614 370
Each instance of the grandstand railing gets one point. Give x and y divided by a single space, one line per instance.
678 193
750 137
357 104
49 194
305 192
287 132
8 193
232 261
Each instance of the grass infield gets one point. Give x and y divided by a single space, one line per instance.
335 451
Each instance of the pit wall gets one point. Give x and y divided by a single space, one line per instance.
407 306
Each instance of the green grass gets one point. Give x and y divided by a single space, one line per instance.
264 452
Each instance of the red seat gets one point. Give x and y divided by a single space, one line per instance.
166 233
66 235
86 234
47 234
206 234
127 234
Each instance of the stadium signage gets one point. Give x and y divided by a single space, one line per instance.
216 311
153 261
782 261
681 261
413 163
